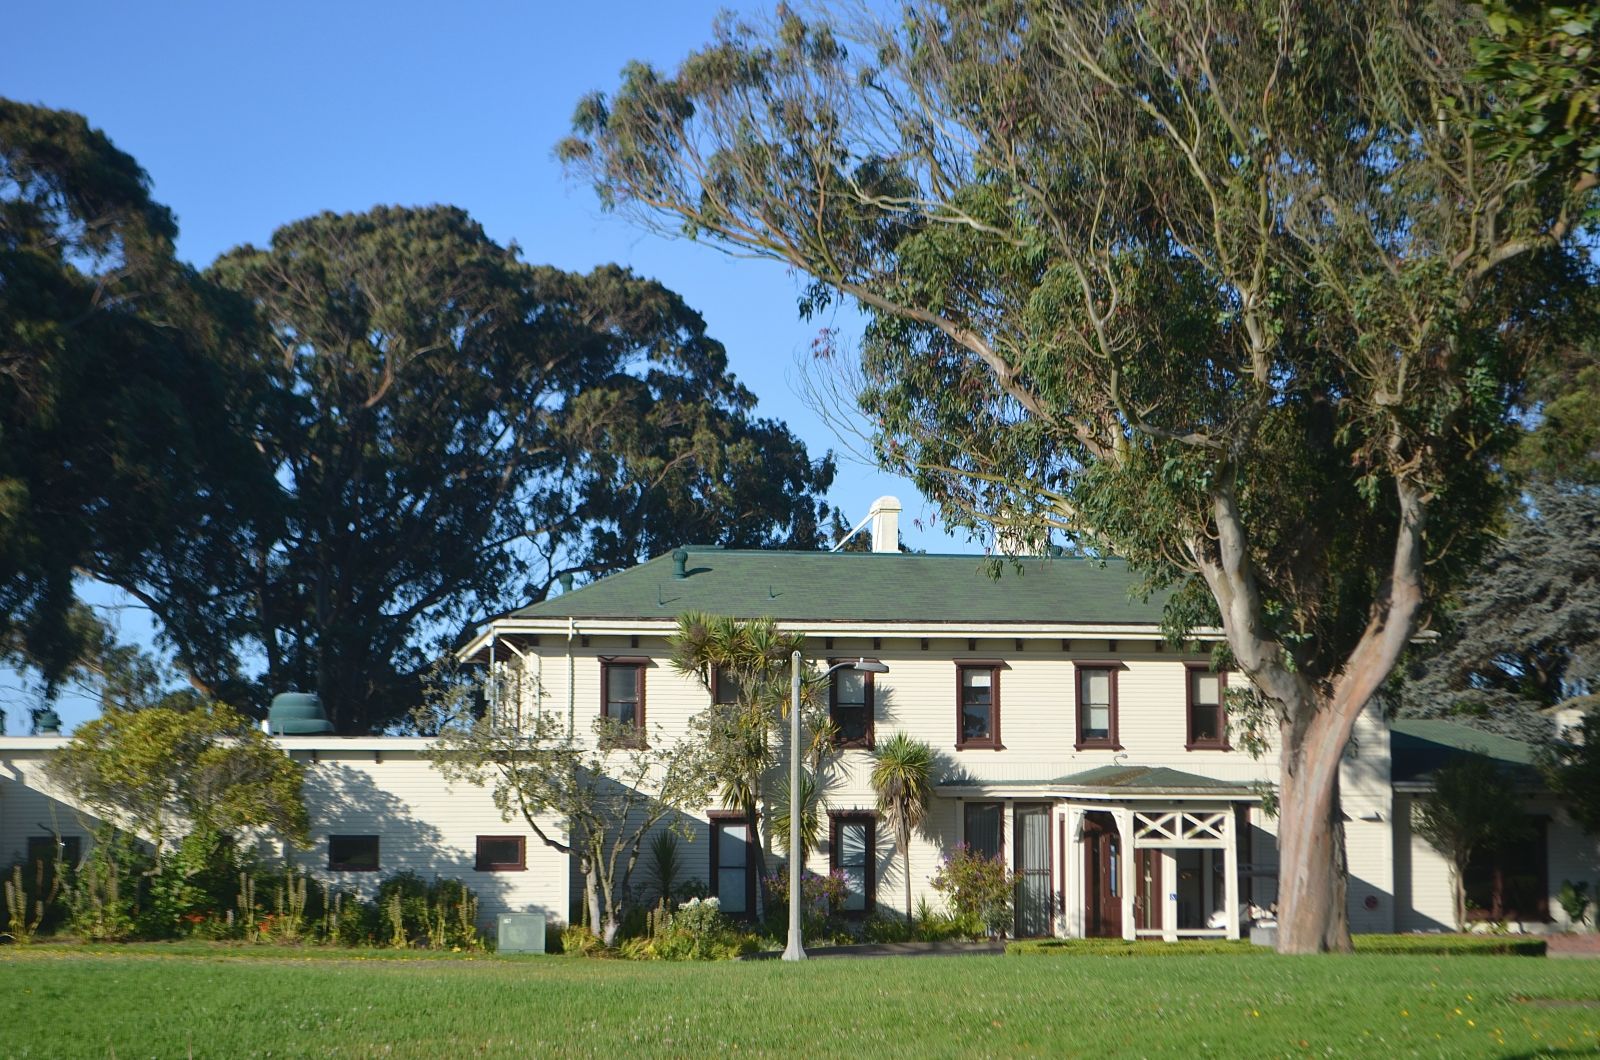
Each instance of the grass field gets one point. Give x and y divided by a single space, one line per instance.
178 1001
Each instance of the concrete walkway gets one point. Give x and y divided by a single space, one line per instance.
1585 946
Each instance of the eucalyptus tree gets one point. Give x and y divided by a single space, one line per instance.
122 406
1229 290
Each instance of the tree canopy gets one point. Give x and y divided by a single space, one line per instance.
1231 291
162 773
1525 636
121 428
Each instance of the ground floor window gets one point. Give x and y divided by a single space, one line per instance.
353 853
1513 882
982 827
850 847
50 849
733 877
501 853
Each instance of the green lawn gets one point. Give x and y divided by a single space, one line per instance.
171 1001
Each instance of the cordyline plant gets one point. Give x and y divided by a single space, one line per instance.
1227 289
745 664
594 797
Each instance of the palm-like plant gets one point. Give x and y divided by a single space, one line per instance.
754 657
810 815
902 777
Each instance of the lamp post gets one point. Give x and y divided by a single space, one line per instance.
796 950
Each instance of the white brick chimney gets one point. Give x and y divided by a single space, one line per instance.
885 516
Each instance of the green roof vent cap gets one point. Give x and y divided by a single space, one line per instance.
680 560
297 714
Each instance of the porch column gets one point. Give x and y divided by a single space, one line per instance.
1124 818
1169 894
1230 872
1072 862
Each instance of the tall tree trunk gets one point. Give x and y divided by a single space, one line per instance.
1312 885
1315 718
905 860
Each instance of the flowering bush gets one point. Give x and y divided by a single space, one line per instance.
978 890
820 897
697 931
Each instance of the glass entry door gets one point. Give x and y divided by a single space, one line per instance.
1034 900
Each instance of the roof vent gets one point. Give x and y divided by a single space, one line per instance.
47 722
885 516
680 561
297 714
565 578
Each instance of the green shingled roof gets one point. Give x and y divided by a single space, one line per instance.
863 586
1148 779
1421 745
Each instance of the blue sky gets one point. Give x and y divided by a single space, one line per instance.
248 116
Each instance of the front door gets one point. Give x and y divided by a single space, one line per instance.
1034 902
1148 899
1102 876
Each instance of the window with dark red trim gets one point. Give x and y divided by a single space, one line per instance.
1097 706
850 707
501 853
852 851
1207 710
724 688
353 853
733 865
978 705
622 691
983 828
1513 882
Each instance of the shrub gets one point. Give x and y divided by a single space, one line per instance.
698 931
820 896
1574 899
1442 945
579 941
102 899
978 890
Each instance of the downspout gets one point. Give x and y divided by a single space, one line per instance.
572 692
493 685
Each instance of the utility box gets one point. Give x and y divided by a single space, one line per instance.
520 933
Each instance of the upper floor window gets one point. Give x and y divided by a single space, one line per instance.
1097 707
850 852
622 691
850 707
978 705
725 689
1208 722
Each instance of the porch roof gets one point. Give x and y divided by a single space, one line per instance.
1149 780
1421 745
1141 782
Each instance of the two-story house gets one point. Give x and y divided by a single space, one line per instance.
1072 741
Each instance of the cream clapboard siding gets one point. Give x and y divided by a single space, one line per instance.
1038 731
1423 875
426 826
31 806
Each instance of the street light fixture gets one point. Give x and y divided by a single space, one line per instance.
796 950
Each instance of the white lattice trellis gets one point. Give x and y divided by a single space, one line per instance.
1181 828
